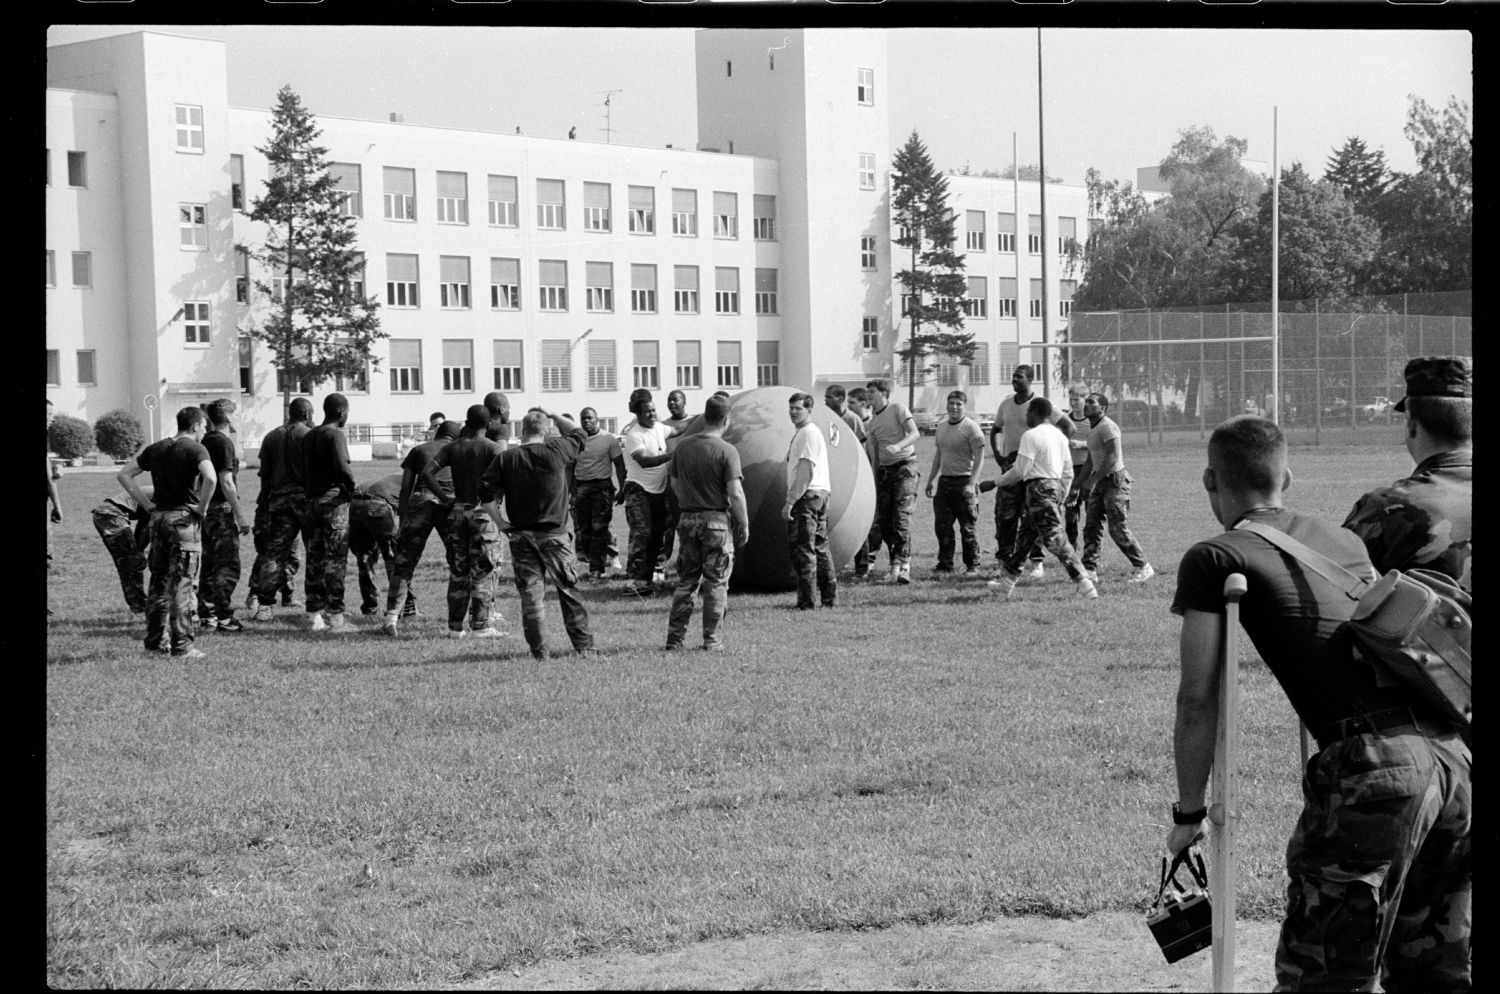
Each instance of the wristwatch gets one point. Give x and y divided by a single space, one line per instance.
1180 817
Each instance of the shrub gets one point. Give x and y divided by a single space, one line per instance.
70 437
119 434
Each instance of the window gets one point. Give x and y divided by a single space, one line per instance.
947 372
869 333
726 215
765 292
764 221
726 290
642 289
453 291
1036 299
49 167
503 209
642 210
406 365
1096 227
508 364
83 269
979 366
78 169
602 370
1067 233
974 221
284 381
458 365
596 207
505 284
645 365
356 433
975 302
867 252
278 288
355 275
195 323
247 364
400 193
192 227
86 368
553 282
358 382
727 372
346 182
599 287
550 205
452 198
1034 234
51 268
685 289
1005 233
767 364
1005 306
685 212
1065 291
189 128
557 364
866 170
241 274
690 364
906 300
237 182
400 280
1010 357
864 86
54 368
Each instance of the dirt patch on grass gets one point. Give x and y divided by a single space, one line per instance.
1106 952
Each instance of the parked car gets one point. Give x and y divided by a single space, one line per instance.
927 421
1374 408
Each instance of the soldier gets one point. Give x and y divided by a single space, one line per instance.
594 494
644 493
892 433
434 422
1108 489
473 540
54 503
329 485
125 528
1076 502
714 523
223 523
858 400
957 461
1010 501
420 511
1425 520
280 510
1043 469
498 429
373 527
182 480
1380 863
532 480
806 510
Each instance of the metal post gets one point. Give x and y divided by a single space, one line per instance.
1041 145
1275 412
1224 809
1353 376
1201 381
1388 390
1317 374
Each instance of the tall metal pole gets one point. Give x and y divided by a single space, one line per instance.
1041 155
1021 281
1275 272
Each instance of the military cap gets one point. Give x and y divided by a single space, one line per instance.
1437 376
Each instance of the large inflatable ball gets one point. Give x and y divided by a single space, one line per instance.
761 432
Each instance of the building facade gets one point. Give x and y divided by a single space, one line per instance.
562 272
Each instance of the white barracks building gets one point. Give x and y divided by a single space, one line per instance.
561 272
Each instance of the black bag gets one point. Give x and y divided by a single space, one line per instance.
1181 918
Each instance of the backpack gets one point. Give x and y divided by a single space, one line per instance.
1414 626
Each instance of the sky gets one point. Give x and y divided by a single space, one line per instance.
1115 98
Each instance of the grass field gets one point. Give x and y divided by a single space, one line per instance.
921 754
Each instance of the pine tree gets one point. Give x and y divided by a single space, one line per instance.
320 329
1359 172
935 284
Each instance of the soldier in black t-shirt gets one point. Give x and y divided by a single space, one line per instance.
224 522
1380 861
280 511
421 511
329 485
472 538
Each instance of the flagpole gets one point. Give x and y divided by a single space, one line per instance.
1275 269
1041 154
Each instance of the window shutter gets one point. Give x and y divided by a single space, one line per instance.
724 203
642 197
729 353
689 353
642 277
454 268
599 274
726 278
458 352
401 268
507 352
685 277
767 353
553 272
1007 224
506 272
974 220
503 188
765 281
596 194
399 180
406 352
685 201
645 353
453 185
549 191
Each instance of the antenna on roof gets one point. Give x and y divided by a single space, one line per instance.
607 95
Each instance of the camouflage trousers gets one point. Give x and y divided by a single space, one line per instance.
176 546
593 509
421 519
949 505
1110 501
537 557
220 571
647 515
1042 524
473 556
1381 867
1075 506
372 541
669 528
1010 511
705 558
279 523
807 546
327 552
127 542
895 496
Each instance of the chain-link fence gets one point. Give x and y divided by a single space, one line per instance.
1341 361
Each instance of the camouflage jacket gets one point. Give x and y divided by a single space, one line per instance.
1421 521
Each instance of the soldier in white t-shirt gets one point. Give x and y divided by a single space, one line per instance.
808 485
644 494
1044 467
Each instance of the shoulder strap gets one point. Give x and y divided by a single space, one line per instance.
1351 584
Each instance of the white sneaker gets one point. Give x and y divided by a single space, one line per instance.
903 573
456 635
319 623
263 612
486 633
1086 589
614 564
389 626
659 577
1035 573
1143 574
1005 586
1092 574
